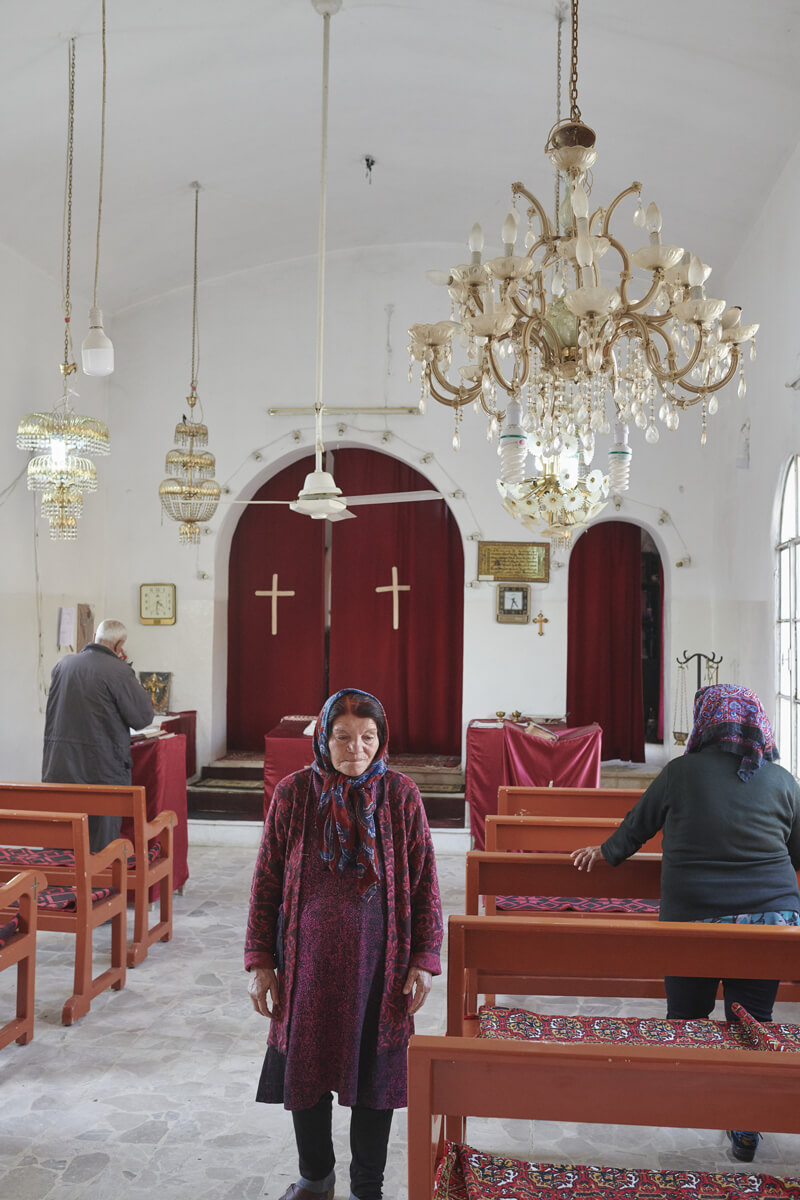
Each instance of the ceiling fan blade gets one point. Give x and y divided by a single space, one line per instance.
227 500
393 498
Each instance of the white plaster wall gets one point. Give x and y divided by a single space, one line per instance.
765 280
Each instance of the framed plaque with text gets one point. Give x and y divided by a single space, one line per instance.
514 562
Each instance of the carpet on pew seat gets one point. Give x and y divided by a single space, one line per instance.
467 1174
746 1033
63 898
8 931
585 904
27 856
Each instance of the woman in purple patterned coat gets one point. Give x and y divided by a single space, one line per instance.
343 938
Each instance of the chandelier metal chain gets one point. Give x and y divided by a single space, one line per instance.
68 367
574 110
583 336
102 154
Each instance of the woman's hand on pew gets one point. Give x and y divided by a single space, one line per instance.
419 982
585 858
264 988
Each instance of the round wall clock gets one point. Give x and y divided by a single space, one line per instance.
157 604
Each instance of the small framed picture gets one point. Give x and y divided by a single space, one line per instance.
157 683
514 603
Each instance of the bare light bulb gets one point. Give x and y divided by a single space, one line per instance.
696 272
509 232
97 351
653 218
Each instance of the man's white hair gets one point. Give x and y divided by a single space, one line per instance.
110 632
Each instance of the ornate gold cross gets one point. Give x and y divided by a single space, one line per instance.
274 593
541 621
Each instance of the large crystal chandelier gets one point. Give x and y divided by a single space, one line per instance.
191 494
62 439
580 335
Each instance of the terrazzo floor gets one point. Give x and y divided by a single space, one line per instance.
151 1094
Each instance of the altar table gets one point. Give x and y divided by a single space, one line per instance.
286 749
159 766
184 722
500 753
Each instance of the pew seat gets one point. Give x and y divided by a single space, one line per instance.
18 948
87 894
150 868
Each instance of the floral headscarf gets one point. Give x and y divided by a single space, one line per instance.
346 810
731 718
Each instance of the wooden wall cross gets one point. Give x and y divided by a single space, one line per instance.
541 621
274 593
395 588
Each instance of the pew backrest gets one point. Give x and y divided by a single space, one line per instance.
558 834
565 801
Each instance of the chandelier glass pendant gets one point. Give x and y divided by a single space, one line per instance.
580 334
62 439
191 494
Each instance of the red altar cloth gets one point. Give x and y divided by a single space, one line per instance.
186 723
504 755
285 750
159 766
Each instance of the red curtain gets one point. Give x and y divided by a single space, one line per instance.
604 648
272 676
415 671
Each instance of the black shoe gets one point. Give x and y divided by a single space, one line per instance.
743 1144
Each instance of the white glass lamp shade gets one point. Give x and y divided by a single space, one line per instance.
97 351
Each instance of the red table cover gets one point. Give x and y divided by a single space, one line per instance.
285 750
159 766
186 723
504 755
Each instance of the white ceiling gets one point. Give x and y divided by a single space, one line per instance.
698 99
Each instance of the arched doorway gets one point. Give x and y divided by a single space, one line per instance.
337 590
615 665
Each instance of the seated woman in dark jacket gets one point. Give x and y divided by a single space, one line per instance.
731 845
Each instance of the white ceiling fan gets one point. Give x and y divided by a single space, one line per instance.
320 498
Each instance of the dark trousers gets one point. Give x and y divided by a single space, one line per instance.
102 831
369 1140
689 998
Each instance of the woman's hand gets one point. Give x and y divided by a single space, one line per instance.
585 858
263 988
419 982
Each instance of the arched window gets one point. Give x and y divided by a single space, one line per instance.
788 706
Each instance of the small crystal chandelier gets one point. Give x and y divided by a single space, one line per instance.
191 494
581 334
62 439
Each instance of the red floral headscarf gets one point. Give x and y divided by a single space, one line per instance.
731 718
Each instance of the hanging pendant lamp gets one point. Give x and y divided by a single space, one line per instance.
191 495
62 439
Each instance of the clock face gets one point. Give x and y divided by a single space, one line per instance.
513 602
157 604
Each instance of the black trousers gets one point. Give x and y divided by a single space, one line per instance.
689 998
369 1141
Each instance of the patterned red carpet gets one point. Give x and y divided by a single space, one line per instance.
518 1024
467 1174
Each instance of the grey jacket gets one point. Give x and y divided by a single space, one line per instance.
93 703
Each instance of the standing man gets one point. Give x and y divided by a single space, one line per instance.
94 702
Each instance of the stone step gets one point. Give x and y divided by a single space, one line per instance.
211 800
